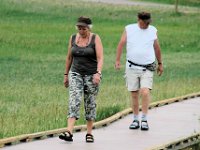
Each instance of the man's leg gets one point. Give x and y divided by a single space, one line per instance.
133 85
146 81
135 107
145 94
135 102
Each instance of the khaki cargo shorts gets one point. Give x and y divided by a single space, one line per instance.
138 78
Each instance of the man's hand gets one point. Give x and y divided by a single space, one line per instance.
117 65
160 69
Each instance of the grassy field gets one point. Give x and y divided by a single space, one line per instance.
33 41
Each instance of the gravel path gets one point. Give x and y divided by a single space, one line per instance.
185 9
127 2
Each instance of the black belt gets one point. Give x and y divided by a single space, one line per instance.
132 63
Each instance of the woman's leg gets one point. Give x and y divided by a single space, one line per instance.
90 93
75 97
89 126
70 124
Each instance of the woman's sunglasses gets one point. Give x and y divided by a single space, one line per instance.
82 28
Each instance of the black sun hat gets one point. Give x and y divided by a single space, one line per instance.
83 21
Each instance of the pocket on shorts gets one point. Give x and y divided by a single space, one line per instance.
147 79
125 78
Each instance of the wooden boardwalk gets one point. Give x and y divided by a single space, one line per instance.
167 123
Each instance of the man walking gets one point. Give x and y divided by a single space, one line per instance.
142 48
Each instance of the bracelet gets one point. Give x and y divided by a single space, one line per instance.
159 63
99 72
65 74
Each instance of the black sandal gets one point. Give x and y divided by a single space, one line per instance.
135 124
89 138
144 126
66 136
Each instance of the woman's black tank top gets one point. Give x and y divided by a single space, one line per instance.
84 58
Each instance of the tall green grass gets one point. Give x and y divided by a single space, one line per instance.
33 46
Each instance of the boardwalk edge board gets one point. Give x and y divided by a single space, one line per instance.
99 124
181 143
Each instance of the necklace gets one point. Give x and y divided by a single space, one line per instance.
83 41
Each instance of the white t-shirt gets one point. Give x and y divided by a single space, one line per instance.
139 44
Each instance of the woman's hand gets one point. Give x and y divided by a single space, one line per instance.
96 78
66 81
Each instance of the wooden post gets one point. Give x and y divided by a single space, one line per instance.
176 6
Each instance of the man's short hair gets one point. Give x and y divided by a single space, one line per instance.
144 16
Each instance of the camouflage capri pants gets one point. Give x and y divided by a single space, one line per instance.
80 86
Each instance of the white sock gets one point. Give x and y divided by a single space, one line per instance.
135 117
144 117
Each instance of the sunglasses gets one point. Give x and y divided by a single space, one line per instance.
82 28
